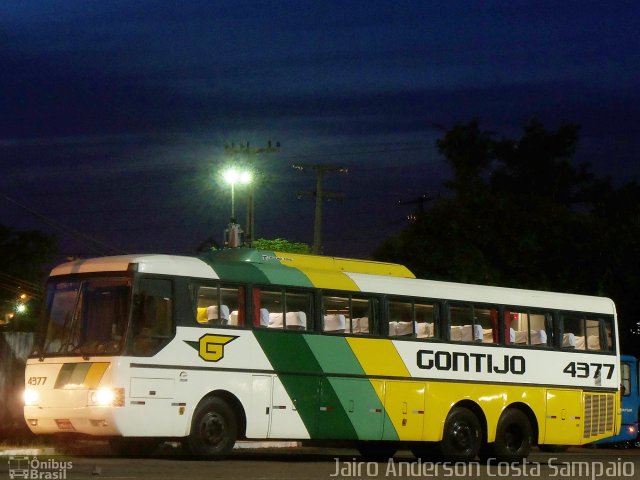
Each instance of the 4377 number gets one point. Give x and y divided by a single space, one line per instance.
586 370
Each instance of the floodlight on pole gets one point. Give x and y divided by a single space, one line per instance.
234 232
233 176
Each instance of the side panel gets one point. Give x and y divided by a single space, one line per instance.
404 402
360 412
564 417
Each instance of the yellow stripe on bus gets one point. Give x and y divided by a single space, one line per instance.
95 373
378 357
403 401
328 272
315 269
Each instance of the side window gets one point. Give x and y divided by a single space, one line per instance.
348 314
407 317
625 372
472 323
361 315
400 318
220 305
582 332
335 312
527 328
607 333
153 317
573 332
299 310
283 309
426 319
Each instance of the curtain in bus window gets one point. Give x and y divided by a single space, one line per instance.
241 306
549 329
255 300
606 334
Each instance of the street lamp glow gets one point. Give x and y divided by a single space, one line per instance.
233 176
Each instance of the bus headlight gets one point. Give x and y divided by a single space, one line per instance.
107 397
30 397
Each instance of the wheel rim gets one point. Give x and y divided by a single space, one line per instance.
213 428
462 437
513 438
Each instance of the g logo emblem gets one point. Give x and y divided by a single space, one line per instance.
211 347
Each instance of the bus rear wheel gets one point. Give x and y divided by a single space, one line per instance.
214 429
513 437
461 437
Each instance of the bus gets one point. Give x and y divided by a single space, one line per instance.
630 405
248 344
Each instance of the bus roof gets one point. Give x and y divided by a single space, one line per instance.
165 264
247 265
485 294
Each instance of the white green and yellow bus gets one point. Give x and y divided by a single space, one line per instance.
248 344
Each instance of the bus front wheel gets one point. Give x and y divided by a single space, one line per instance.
214 429
461 436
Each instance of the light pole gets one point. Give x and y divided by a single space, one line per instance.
233 176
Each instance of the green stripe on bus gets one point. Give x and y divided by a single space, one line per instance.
284 275
247 267
356 395
334 354
322 415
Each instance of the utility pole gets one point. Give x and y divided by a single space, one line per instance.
250 154
320 194
420 201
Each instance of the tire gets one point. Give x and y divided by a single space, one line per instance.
513 437
377 451
461 437
214 429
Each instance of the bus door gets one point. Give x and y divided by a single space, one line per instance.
283 406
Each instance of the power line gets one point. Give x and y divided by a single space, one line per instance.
88 241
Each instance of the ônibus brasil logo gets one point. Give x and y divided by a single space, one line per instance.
35 469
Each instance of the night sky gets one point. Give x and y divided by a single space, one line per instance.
114 114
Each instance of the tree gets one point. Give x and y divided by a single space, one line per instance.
522 213
24 256
281 245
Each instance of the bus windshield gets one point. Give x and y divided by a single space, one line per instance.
85 316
